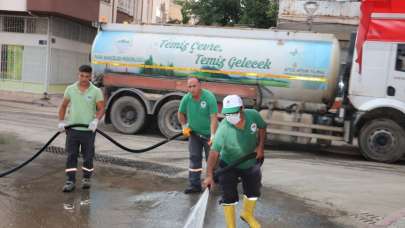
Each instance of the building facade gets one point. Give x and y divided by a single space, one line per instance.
156 11
140 11
43 42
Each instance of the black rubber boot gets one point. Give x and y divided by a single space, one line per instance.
69 186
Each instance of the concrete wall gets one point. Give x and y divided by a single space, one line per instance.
13 5
34 64
341 12
66 56
22 38
65 64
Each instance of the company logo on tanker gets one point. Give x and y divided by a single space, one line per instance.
123 44
212 55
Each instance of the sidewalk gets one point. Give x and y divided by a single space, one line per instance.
52 100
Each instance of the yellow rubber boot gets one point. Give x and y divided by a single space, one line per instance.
229 213
248 211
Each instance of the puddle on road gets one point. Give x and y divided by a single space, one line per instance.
68 206
33 197
6 139
85 203
151 200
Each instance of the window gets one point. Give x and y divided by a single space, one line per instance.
13 24
36 25
23 24
72 30
11 62
400 62
106 1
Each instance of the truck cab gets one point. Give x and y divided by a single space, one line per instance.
377 81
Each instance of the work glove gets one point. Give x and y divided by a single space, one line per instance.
93 125
61 126
186 131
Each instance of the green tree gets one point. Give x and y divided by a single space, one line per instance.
272 12
260 13
257 13
223 12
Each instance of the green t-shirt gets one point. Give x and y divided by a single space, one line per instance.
82 107
233 143
199 112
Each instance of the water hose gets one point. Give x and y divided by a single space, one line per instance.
196 217
3 174
219 172
203 200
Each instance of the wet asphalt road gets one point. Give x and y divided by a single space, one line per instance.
119 197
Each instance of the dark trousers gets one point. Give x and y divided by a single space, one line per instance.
196 145
79 141
251 182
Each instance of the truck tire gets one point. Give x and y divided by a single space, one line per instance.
382 140
128 115
168 123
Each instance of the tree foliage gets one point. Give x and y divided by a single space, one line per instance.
256 13
259 13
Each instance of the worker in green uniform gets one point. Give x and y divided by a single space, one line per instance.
242 132
86 106
198 117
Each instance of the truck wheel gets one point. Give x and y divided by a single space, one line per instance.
382 140
128 115
168 123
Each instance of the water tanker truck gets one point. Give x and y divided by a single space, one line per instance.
294 78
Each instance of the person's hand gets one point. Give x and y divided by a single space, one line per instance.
186 131
259 153
211 140
208 182
93 125
61 126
